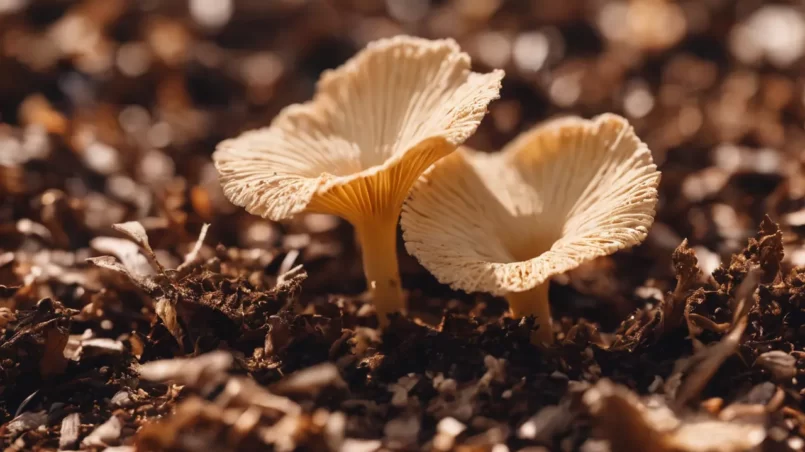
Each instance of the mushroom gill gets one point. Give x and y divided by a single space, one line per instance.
557 196
374 125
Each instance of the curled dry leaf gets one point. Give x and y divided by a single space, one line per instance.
310 380
86 345
291 277
70 426
135 231
770 249
108 262
615 410
126 252
717 436
166 310
247 412
695 372
631 424
245 392
692 374
191 257
203 371
122 399
106 434
687 273
26 421
744 296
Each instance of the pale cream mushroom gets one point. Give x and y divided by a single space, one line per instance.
374 126
560 194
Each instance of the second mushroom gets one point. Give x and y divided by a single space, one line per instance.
561 194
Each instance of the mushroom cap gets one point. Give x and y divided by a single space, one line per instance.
374 125
558 195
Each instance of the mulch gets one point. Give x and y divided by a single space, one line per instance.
139 310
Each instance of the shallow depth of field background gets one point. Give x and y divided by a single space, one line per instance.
110 110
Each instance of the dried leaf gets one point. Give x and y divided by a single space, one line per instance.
716 436
135 231
166 310
310 380
70 426
770 250
122 399
25 422
109 263
191 257
107 434
291 283
630 424
744 295
616 410
100 346
246 392
701 367
202 371
687 276
126 252
697 323
293 276
286 266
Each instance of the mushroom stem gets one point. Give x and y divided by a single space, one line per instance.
378 239
534 302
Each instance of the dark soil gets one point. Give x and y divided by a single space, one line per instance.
252 335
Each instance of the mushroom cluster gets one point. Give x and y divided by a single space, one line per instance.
564 193
388 122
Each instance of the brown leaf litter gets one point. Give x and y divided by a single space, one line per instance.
140 311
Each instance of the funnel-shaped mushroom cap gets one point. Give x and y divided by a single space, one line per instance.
375 124
557 196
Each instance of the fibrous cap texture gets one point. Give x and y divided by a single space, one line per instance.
374 125
561 194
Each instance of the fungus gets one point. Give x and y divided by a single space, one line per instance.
557 196
373 127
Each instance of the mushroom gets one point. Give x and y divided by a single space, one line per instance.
373 127
557 196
